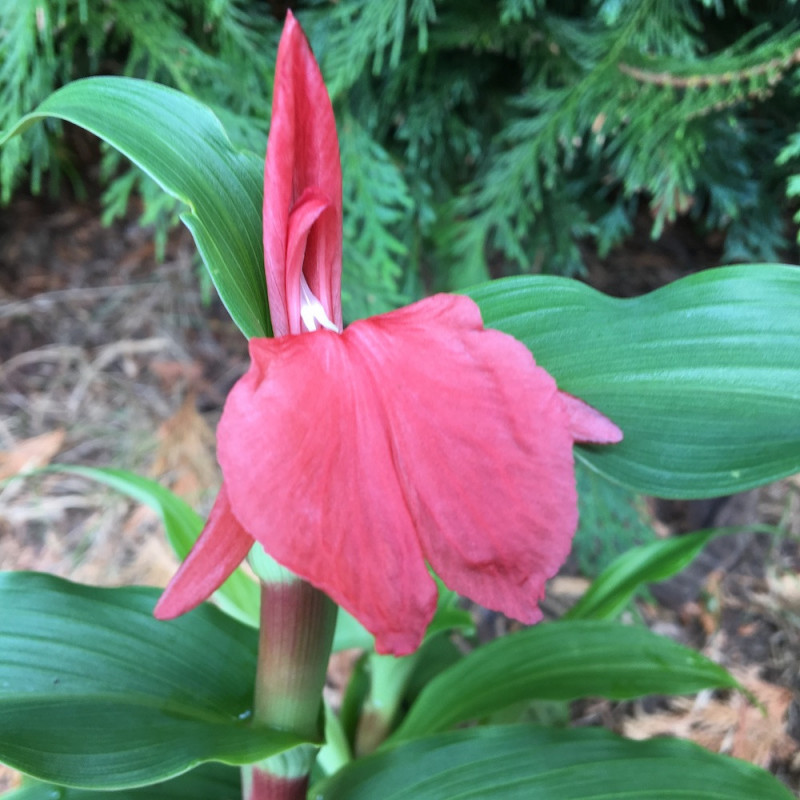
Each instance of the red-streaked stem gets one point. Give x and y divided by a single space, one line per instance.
258 784
297 623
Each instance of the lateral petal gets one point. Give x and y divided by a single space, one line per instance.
482 447
302 153
309 466
587 424
221 547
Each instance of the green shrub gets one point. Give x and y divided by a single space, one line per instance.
477 137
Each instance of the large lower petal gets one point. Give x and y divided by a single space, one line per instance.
413 437
309 467
222 546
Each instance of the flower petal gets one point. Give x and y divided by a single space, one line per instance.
305 214
302 154
483 451
309 468
587 424
413 436
222 546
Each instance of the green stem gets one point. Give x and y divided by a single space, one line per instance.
389 676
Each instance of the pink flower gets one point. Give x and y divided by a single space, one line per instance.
414 439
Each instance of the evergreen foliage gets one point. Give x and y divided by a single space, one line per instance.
478 137
220 51
612 521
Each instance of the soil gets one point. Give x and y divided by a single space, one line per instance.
110 357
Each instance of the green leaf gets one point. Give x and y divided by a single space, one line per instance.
559 661
449 618
613 589
526 763
179 143
208 782
239 595
96 693
438 654
703 375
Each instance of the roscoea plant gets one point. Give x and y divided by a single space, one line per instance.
415 437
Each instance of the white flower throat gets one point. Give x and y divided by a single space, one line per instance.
311 311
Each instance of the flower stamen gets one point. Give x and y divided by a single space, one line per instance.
311 311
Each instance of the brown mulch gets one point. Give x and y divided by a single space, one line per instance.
110 358
107 358
102 348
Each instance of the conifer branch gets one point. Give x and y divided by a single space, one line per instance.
773 70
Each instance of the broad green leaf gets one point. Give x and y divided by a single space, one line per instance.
439 654
181 144
96 693
518 762
613 589
208 782
559 661
703 375
239 595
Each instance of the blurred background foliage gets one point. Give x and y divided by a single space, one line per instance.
479 138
